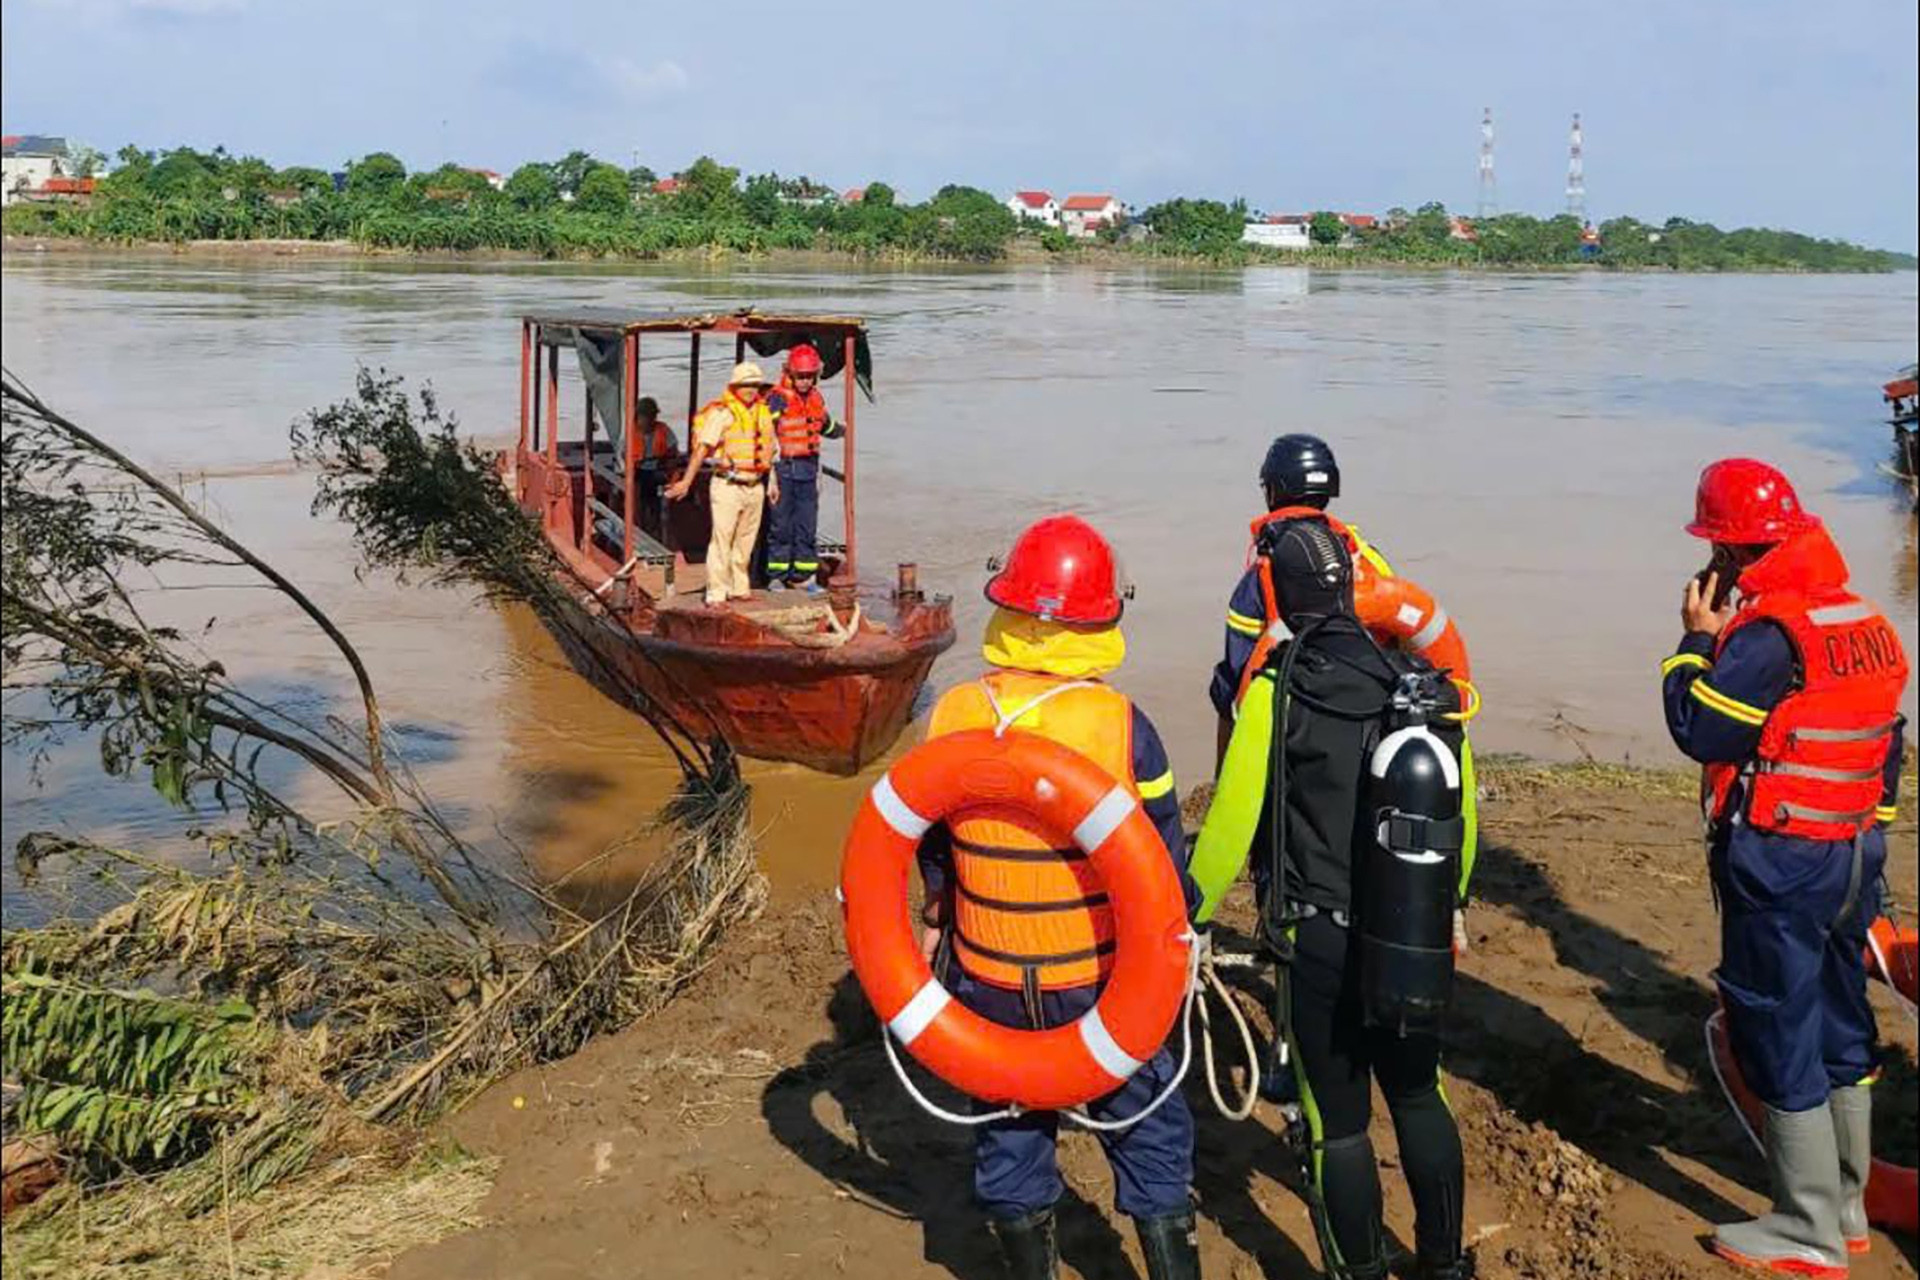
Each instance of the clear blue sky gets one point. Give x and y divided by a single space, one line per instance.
1735 111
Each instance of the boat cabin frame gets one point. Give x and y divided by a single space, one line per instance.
591 496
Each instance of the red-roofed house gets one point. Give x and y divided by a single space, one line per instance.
58 190
494 180
1358 221
667 187
1459 228
1084 216
1035 206
853 195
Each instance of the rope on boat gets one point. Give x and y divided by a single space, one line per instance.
618 574
801 625
1200 975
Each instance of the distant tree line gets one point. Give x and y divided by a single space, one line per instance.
582 206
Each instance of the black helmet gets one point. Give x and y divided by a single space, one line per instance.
1300 467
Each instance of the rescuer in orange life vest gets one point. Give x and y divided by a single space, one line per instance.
1787 688
1026 923
658 448
1299 477
801 422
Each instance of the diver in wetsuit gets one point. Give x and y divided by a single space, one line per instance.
1317 818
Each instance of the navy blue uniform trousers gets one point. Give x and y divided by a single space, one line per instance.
1794 916
1015 1169
793 549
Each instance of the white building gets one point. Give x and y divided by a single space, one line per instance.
27 161
1035 206
1279 231
1083 217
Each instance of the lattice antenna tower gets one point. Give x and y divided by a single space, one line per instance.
1489 190
1576 176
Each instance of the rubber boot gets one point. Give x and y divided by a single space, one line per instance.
1460 1268
1852 1110
1801 1234
1029 1245
1172 1249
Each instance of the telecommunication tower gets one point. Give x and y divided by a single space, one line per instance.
1489 192
1576 176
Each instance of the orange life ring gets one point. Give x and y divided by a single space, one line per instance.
1893 1190
1893 956
1072 798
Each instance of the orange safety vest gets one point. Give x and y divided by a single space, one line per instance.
1819 769
802 421
1397 610
747 441
656 443
1028 910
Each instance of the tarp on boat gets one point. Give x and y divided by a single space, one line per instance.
597 341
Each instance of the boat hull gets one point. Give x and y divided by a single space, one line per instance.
834 710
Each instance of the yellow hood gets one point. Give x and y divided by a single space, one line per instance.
1026 643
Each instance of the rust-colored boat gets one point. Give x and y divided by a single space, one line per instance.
827 681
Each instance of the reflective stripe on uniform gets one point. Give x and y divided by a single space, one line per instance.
1813 734
1834 614
1243 624
1790 770
1822 815
1886 812
1680 660
1732 708
1154 788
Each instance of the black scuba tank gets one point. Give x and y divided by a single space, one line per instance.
1407 887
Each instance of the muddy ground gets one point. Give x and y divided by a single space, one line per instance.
754 1128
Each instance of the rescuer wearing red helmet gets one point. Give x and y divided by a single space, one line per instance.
1025 922
1787 688
801 422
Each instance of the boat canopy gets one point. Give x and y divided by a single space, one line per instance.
598 336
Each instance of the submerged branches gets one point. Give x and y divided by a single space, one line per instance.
225 1023
419 499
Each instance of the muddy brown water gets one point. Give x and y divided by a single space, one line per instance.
1524 445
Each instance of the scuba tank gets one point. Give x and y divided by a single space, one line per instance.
1409 875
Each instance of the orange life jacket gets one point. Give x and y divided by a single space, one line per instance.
1028 909
1818 771
747 437
656 442
1397 610
802 421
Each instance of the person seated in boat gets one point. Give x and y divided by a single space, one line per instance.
736 431
658 448
1024 923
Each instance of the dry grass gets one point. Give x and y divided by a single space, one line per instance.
346 1221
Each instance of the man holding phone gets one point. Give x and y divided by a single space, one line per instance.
1788 694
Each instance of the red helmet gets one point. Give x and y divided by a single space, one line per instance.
1744 500
803 359
1061 570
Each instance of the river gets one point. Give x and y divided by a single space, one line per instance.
1525 445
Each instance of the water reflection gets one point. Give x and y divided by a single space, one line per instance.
1525 444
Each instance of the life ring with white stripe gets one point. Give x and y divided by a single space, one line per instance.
1072 798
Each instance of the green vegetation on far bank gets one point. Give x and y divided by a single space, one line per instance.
582 207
